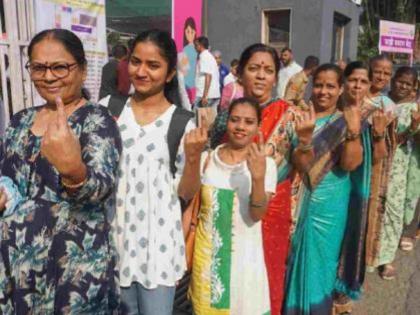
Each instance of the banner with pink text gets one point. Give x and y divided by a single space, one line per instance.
396 37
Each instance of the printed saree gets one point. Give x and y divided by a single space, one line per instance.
400 200
376 209
276 224
332 219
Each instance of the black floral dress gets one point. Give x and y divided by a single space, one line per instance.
56 255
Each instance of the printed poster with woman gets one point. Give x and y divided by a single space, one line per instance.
186 26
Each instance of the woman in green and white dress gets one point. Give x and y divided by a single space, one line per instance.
229 274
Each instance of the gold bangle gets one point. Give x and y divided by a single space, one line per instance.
350 136
304 147
377 137
73 186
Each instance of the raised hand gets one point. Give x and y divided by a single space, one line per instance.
205 116
415 118
305 125
256 158
194 143
60 146
352 116
3 200
380 121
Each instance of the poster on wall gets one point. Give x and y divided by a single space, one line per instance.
186 26
396 37
85 18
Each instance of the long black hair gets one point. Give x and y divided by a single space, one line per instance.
167 47
72 44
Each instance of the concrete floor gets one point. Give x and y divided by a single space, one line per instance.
396 297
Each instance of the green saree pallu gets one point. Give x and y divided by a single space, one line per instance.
328 243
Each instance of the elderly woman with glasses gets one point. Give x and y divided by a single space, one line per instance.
55 251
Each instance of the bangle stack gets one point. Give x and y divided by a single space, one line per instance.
304 147
351 136
378 137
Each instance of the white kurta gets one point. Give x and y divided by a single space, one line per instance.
248 286
147 226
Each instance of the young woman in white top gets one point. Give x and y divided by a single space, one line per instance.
147 227
229 274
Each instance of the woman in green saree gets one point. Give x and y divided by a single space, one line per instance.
335 185
356 247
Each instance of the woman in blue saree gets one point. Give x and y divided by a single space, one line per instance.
334 190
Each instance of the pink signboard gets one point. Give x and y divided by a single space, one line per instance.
186 26
396 37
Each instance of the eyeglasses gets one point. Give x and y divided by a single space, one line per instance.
59 70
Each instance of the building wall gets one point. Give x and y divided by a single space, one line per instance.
352 11
234 24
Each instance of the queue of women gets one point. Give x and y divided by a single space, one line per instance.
294 206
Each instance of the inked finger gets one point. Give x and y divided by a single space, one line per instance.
199 123
61 113
312 113
253 148
203 132
260 140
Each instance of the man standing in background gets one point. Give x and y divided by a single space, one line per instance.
289 68
223 69
232 76
207 78
295 89
124 83
109 79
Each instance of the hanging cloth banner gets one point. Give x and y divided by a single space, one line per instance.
85 18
